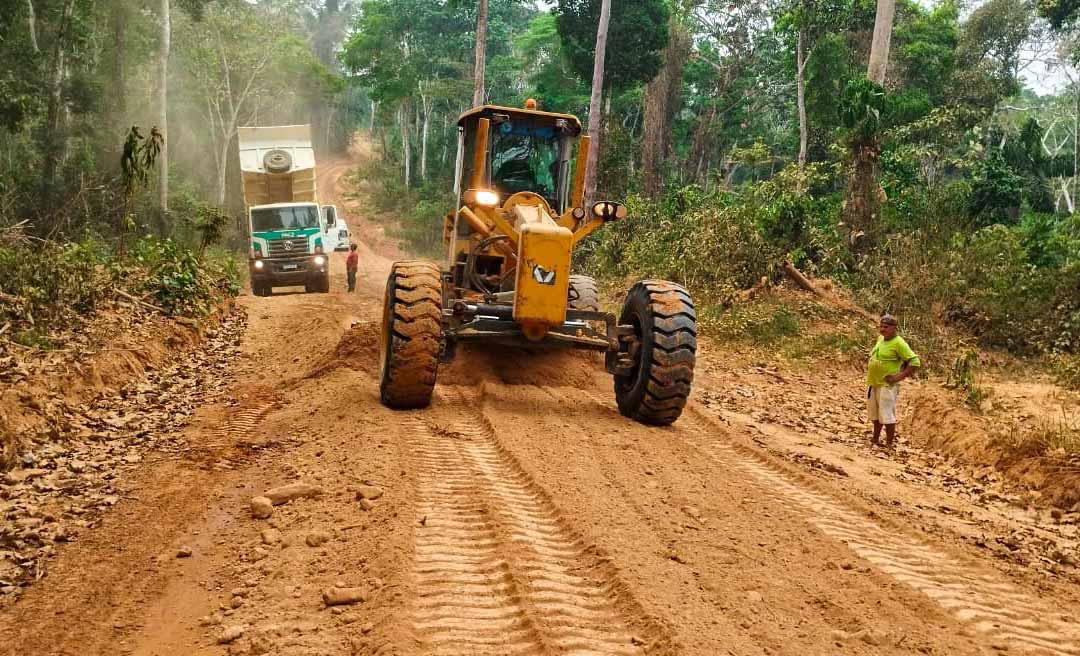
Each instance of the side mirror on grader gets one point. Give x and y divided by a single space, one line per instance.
507 279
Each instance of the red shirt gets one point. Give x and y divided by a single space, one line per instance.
351 261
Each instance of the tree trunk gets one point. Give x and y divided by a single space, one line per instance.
800 92
118 94
405 150
226 140
53 136
371 120
879 47
862 205
163 106
1076 137
481 52
596 118
31 19
424 136
661 102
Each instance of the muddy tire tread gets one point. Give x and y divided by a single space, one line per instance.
662 391
583 294
413 339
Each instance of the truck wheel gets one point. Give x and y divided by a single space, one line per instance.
324 284
411 334
583 294
663 348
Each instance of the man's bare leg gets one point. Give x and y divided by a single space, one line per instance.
890 435
876 439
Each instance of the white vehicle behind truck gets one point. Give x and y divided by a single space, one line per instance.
291 234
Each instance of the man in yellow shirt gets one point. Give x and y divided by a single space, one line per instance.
891 361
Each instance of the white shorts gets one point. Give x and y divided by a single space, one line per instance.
881 403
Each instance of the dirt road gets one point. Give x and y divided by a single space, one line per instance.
520 514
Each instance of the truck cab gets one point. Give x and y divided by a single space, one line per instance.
288 247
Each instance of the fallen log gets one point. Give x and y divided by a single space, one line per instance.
804 282
121 293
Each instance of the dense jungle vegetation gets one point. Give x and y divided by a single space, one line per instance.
932 170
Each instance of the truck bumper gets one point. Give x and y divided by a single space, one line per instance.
285 272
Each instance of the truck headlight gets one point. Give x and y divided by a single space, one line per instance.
320 260
486 198
258 264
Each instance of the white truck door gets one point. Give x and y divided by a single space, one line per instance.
329 228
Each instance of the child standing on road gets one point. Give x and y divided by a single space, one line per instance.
350 266
891 361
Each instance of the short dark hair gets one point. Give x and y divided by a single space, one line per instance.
889 320
352 247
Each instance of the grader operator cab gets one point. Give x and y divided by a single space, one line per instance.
518 217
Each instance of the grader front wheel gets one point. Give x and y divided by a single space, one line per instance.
663 349
411 334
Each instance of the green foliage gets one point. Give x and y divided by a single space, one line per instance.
961 377
996 193
637 34
761 324
179 281
862 106
49 286
1067 371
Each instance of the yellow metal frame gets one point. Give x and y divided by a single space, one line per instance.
535 235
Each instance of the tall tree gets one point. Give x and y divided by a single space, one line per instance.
811 21
480 53
637 28
163 105
54 138
661 99
595 112
879 47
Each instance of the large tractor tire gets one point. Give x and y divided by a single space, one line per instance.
583 294
664 350
411 334
324 284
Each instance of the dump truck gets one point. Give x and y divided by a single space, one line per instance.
291 234
507 275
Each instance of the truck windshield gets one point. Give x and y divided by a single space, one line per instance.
524 158
284 218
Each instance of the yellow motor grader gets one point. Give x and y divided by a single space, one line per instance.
507 279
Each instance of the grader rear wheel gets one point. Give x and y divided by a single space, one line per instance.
411 334
583 294
664 348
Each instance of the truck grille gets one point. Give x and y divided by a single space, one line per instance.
288 247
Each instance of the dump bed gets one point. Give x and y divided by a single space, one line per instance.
277 164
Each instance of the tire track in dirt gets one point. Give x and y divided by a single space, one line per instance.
493 558
993 607
466 600
243 421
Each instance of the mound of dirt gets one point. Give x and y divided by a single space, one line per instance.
357 349
942 424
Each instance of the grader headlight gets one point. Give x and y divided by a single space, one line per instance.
486 198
